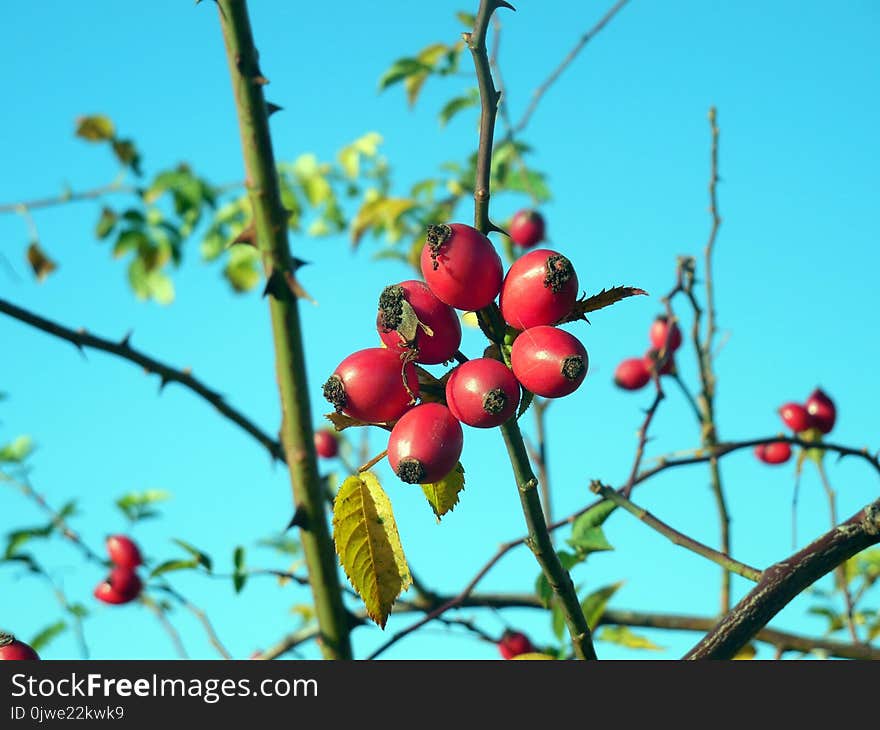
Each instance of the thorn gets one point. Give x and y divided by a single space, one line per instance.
276 286
493 227
272 108
296 288
125 342
504 4
297 263
248 236
354 620
164 380
300 519
259 79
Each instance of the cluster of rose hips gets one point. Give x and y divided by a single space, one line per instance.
417 323
12 648
808 420
635 372
122 585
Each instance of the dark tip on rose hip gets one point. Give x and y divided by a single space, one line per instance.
334 391
411 471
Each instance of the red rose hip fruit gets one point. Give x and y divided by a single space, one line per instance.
652 357
425 444
123 552
326 444
657 334
461 266
121 586
369 385
411 318
796 417
514 643
775 453
527 228
482 393
548 361
632 374
540 288
13 649
822 410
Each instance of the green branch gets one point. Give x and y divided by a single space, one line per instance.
270 219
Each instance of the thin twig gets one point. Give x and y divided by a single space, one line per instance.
542 89
676 537
643 437
69 196
202 618
372 462
122 348
159 612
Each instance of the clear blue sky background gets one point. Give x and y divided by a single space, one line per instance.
623 138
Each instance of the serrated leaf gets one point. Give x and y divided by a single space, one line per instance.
586 539
341 422
623 636
40 262
95 128
532 656
604 298
368 544
17 451
524 402
443 495
203 559
170 566
594 605
459 103
45 637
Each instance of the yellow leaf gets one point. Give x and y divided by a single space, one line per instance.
532 656
341 422
747 652
443 495
469 319
381 213
368 544
40 263
95 128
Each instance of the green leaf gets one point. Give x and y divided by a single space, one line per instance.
524 402
378 214
350 156
835 620
542 586
160 287
604 298
623 636
239 576
170 566
96 128
127 154
368 544
468 20
17 538
202 558
557 619
594 605
595 516
243 269
588 540
40 263
17 451
77 610
137 505
106 223
400 70
443 495
45 637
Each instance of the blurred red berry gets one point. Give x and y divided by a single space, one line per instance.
651 358
326 444
796 417
121 586
527 228
657 334
822 409
514 643
632 374
775 453
124 552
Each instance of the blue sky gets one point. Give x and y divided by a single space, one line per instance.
623 139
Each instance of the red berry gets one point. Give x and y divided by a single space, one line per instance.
775 453
326 444
461 266
425 444
121 586
632 374
514 643
540 288
13 649
436 344
482 393
651 358
796 417
549 362
822 409
369 385
124 552
658 331
527 228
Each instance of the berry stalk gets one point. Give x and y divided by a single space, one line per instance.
270 220
539 537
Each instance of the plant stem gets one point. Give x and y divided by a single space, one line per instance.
678 538
539 537
270 220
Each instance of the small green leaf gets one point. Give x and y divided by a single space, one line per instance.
96 128
401 69
594 605
595 516
524 402
623 636
106 223
202 558
468 20
443 495
45 637
588 540
239 576
170 566
604 298
17 451
127 154
557 619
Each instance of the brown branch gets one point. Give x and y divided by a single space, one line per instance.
781 582
68 197
202 618
676 537
542 89
83 339
166 625
643 434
